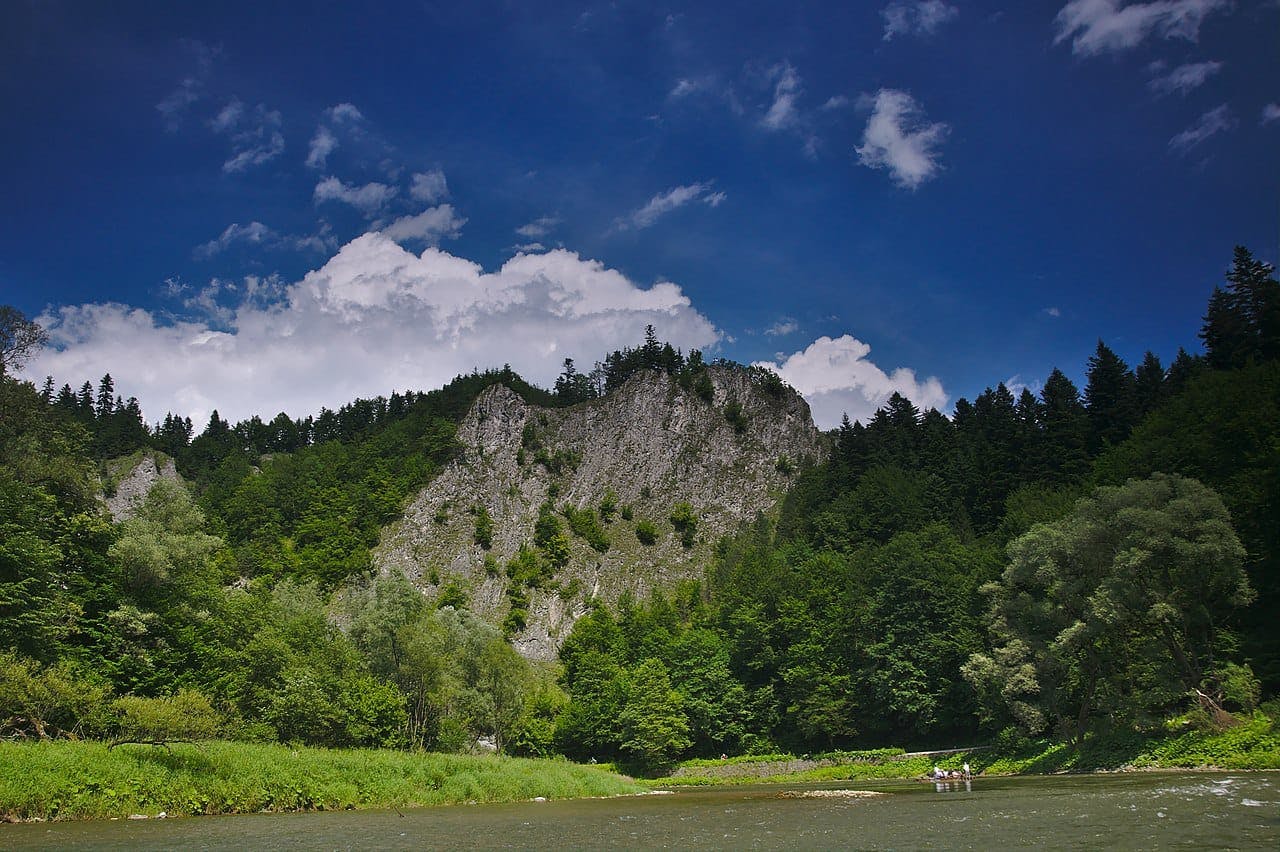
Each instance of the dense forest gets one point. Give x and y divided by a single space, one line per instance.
1051 563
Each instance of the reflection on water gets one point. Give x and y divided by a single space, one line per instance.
1129 811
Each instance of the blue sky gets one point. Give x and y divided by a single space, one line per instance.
257 207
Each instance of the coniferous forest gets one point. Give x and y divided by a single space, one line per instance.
1056 564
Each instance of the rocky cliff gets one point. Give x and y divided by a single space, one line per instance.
129 481
727 452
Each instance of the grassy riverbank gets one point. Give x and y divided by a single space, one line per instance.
85 780
1252 745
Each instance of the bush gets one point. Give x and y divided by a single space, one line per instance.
585 525
185 715
646 532
484 527
733 414
627 513
685 522
57 701
608 505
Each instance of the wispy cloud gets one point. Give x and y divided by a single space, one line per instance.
915 17
784 326
1053 311
368 199
899 138
325 140
1215 121
538 228
1270 113
1184 78
255 134
665 202
174 106
429 226
782 112
254 233
1111 26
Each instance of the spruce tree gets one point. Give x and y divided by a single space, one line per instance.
1110 398
1149 384
1066 429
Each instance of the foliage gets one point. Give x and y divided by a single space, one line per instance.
185 715
1116 609
646 532
685 521
586 525
484 527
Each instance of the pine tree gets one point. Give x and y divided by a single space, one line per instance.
1242 322
106 393
1066 429
1110 398
1149 384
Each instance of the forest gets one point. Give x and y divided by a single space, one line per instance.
1057 564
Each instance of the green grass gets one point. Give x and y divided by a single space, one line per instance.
85 780
1255 744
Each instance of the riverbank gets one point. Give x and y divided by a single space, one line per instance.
65 780
1254 744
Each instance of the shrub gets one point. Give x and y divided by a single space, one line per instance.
608 505
185 715
584 524
733 414
685 522
484 527
627 513
646 532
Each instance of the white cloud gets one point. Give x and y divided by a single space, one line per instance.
1101 26
374 318
1217 120
538 228
325 141
529 247
782 112
255 134
664 202
254 233
1053 311
430 226
685 87
836 102
836 378
900 139
429 187
344 112
322 145
174 106
1270 113
1184 78
786 325
368 199
915 17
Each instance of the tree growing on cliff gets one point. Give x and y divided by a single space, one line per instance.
20 338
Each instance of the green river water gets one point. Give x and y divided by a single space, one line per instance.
1122 811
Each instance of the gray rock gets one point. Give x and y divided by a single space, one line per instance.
135 485
651 442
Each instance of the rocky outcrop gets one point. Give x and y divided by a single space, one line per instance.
133 480
651 443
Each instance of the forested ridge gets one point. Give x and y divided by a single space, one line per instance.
1051 563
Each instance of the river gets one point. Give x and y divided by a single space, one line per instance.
1121 811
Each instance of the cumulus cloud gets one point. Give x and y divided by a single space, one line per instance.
255 134
1111 26
1213 122
836 378
915 17
1184 78
900 139
665 202
368 199
429 226
538 228
1270 113
374 318
254 233
429 187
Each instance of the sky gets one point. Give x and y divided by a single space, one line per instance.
274 207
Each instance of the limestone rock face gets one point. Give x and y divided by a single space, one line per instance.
135 484
651 443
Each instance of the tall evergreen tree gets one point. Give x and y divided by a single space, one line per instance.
1066 429
1149 384
106 395
1242 322
1110 398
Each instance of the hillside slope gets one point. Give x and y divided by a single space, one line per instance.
652 443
